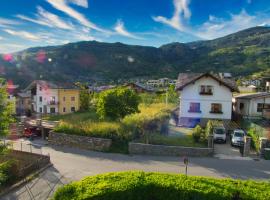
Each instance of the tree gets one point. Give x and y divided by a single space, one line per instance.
6 109
85 97
117 103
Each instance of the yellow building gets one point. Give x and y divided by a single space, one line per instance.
69 100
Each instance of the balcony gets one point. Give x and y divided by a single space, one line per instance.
52 103
194 111
206 93
216 112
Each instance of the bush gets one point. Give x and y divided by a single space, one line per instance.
196 134
8 171
117 103
157 186
255 139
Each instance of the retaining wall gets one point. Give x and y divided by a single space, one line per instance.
162 150
82 142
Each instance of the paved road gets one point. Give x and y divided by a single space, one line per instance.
73 164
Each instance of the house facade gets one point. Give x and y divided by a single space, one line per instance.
205 96
50 98
68 100
253 105
23 103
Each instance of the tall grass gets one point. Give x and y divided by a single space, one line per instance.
88 123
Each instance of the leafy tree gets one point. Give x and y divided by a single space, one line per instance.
85 97
117 103
6 110
173 97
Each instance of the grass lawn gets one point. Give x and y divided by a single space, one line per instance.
186 141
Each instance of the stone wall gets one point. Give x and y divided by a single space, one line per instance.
82 142
162 150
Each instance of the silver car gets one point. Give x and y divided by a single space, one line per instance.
237 137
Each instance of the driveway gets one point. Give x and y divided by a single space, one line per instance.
73 164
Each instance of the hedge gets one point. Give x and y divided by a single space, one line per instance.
158 186
7 173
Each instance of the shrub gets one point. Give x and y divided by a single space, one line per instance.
196 134
117 103
148 186
8 171
255 139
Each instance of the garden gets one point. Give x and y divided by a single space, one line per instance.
123 115
159 186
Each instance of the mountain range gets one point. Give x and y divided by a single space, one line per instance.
241 53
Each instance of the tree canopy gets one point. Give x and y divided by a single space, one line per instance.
6 109
117 103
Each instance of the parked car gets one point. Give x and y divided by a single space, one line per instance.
219 134
237 137
31 132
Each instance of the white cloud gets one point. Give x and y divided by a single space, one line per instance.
6 22
63 6
218 27
47 19
23 34
181 13
82 3
120 29
7 48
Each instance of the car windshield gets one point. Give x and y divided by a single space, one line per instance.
239 134
220 131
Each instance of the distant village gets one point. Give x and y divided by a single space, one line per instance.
45 97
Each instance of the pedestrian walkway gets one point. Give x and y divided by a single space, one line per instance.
40 188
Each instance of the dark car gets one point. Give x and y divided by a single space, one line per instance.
31 132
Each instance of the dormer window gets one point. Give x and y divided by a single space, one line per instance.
206 90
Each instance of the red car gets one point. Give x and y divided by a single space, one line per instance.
31 132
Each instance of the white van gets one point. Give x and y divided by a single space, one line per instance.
219 134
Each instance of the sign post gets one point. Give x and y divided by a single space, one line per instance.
186 163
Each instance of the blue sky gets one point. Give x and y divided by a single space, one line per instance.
29 23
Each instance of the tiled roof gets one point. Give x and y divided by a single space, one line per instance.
185 79
252 96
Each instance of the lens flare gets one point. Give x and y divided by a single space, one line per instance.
41 56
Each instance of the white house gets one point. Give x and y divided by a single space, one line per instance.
44 96
253 105
204 96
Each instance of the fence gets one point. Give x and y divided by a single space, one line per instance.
23 146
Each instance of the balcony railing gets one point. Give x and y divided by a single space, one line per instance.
216 112
52 103
206 93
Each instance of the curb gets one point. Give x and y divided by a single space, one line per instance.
25 180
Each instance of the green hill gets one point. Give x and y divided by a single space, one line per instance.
242 53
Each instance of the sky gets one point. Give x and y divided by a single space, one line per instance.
31 23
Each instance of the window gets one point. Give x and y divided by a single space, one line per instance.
206 90
72 98
216 108
40 88
72 109
64 98
52 110
40 99
64 109
40 109
194 107
259 107
241 106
